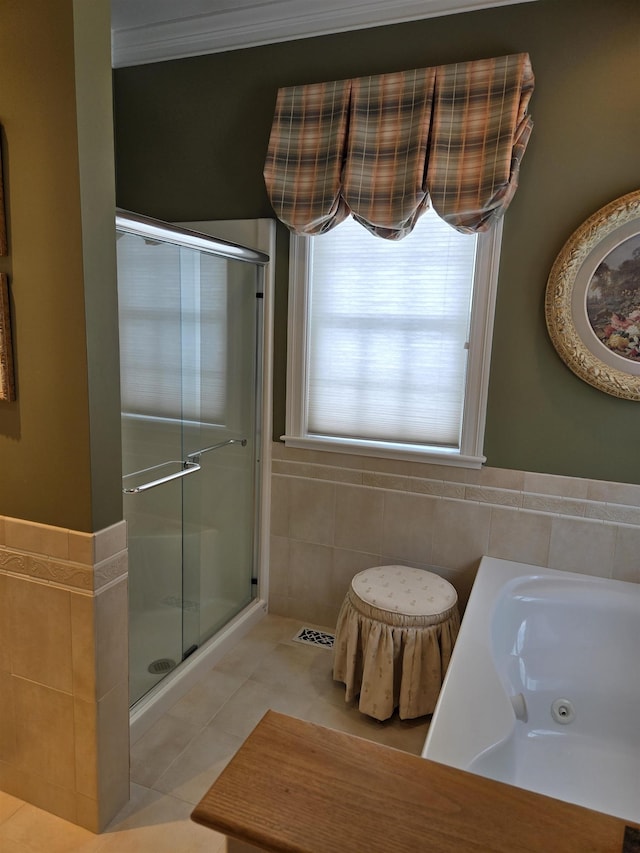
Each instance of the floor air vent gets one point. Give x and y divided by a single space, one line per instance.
313 637
161 666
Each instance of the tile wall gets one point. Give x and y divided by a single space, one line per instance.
333 515
64 697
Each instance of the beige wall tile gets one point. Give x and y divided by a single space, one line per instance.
461 533
408 526
64 573
280 506
580 545
41 539
462 580
81 547
7 719
311 511
86 748
626 560
5 626
279 565
501 478
317 613
310 571
418 485
110 570
40 622
87 813
358 521
283 605
618 493
112 636
83 646
554 504
318 472
519 535
551 484
39 792
345 565
613 512
14 562
113 751
491 495
110 541
44 733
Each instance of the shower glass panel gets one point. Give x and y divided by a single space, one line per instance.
190 379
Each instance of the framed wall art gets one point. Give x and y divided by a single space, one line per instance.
592 303
7 385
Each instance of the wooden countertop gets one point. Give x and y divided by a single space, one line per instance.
296 786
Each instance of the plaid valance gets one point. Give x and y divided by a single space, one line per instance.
382 147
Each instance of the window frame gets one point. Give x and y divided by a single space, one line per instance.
470 452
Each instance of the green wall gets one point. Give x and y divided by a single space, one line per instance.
60 440
191 137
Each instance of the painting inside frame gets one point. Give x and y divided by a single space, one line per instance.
592 302
613 300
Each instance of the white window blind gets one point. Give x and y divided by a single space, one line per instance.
381 334
389 323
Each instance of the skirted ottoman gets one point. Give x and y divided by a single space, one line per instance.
394 637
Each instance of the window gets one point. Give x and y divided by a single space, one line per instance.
389 341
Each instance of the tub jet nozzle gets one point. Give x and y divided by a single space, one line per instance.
562 711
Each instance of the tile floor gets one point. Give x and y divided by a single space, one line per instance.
175 762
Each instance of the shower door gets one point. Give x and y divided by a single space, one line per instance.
190 377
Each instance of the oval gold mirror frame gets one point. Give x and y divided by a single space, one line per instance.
570 328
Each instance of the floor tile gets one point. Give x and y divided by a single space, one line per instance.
157 748
195 770
206 698
297 669
8 806
161 824
32 830
250 703
245 656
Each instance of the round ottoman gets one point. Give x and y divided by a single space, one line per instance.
394 639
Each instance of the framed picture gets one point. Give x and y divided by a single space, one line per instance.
7 385
592 303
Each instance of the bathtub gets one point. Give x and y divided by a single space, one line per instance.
543 688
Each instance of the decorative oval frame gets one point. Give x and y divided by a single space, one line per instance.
566 296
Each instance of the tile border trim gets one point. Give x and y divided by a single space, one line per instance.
29 554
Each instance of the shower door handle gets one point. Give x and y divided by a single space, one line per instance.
198 453
187 468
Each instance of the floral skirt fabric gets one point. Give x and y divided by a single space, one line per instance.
391 660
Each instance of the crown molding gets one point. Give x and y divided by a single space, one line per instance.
142 39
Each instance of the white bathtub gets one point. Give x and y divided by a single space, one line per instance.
532 637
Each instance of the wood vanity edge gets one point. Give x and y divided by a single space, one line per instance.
298 786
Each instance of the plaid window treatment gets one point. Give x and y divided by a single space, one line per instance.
383 147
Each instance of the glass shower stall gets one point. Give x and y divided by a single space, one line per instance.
190 316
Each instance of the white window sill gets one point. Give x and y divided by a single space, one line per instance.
405 452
